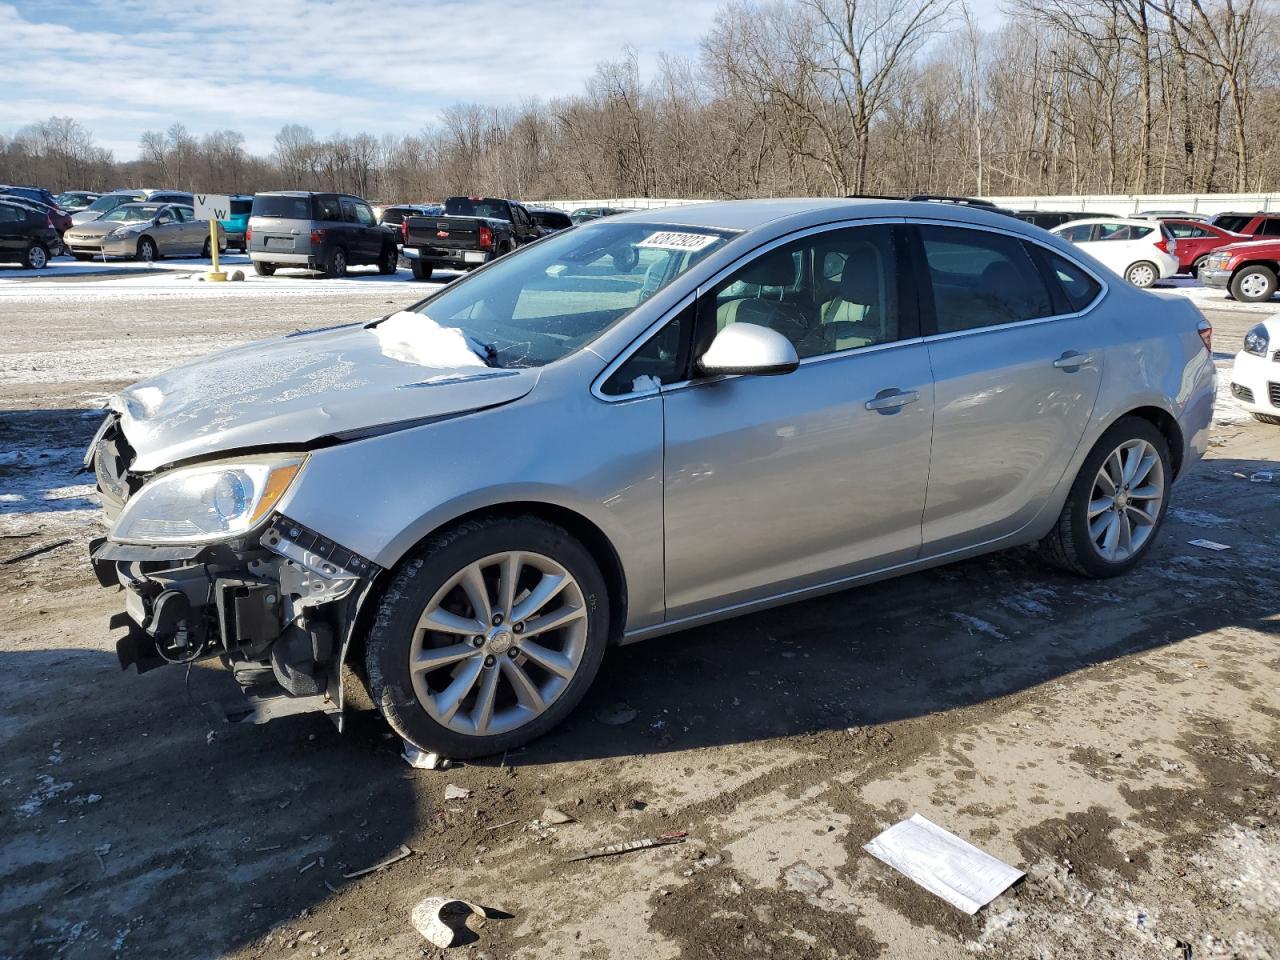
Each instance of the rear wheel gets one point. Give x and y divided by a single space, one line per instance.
488 636
387 262
263 269
1117 503
1253 284
1142 274
421 271
36 257
1267 418
336 265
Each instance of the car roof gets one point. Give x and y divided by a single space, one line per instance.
1129 221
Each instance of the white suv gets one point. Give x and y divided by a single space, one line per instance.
1141 251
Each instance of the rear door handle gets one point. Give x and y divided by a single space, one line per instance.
1073 359
892 399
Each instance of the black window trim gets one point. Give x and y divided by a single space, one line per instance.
929 328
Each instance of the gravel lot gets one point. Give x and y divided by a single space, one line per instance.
1118 741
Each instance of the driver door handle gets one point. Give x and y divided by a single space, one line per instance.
1073 359
892 399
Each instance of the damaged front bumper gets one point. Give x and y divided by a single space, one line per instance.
278 607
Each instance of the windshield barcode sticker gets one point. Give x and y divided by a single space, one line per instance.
670 240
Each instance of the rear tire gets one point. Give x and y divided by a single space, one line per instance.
1267 418
1142 274
336 266
388 261
1073 545
36 257
421 271
1253 284
264 269
460 678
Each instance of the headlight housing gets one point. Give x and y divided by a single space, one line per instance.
206 503
121 232
1257 340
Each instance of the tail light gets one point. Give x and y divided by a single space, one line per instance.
248 235
486 237
1205 329
317 237
1164 245
404 230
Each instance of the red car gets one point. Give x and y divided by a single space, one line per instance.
1196 240
1249 271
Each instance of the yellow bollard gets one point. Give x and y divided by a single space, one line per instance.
216 274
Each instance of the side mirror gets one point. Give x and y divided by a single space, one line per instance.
748 348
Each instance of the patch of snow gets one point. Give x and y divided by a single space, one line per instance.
1198 518
47 789
416 338
980 625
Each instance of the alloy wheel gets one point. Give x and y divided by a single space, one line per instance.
37 258
498 643
1125 502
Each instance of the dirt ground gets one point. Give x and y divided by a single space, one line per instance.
1119 741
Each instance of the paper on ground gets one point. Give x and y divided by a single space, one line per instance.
943 864
1209 544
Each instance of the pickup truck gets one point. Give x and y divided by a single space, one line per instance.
471 232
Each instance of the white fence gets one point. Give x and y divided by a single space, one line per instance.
1114 204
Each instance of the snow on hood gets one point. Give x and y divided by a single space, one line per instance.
303 386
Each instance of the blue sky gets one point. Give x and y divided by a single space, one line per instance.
124 66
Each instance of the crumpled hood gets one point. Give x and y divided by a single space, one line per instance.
301 387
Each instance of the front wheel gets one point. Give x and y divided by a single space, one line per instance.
1117 503
263 269
147 250
1142 274
488 636
1253 284
1199 262
36 257
421 271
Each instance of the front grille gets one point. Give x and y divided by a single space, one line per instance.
111 461
1273 391
1242 393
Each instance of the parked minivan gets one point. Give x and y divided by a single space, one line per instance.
325 232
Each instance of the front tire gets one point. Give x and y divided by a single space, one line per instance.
1253 284
1142 274
36 257
264 269
488 636
421 271
147 250
1117 504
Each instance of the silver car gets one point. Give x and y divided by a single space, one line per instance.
648 422
142 231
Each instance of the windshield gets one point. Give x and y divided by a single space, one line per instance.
131 213
110 202
543 302
474 207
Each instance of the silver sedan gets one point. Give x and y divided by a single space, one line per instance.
630 428
142 231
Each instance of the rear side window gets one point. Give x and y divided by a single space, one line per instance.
1079 288
1078 234
980 279
327 208
10 215
1122 231
1235 224
283 208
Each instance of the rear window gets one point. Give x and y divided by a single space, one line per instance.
241 207
557 221
394 215
1232 222
284 208
468 207
1079 287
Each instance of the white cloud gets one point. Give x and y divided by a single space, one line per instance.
123 66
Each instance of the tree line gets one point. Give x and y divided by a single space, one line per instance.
809 97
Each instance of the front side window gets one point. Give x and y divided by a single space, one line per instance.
825 293
1270 228
364 216
980 279
548 299
1078 234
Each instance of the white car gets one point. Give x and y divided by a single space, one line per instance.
1141 251
1255 378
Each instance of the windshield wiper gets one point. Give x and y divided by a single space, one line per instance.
485 351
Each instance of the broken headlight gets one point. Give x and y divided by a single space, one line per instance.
206 503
